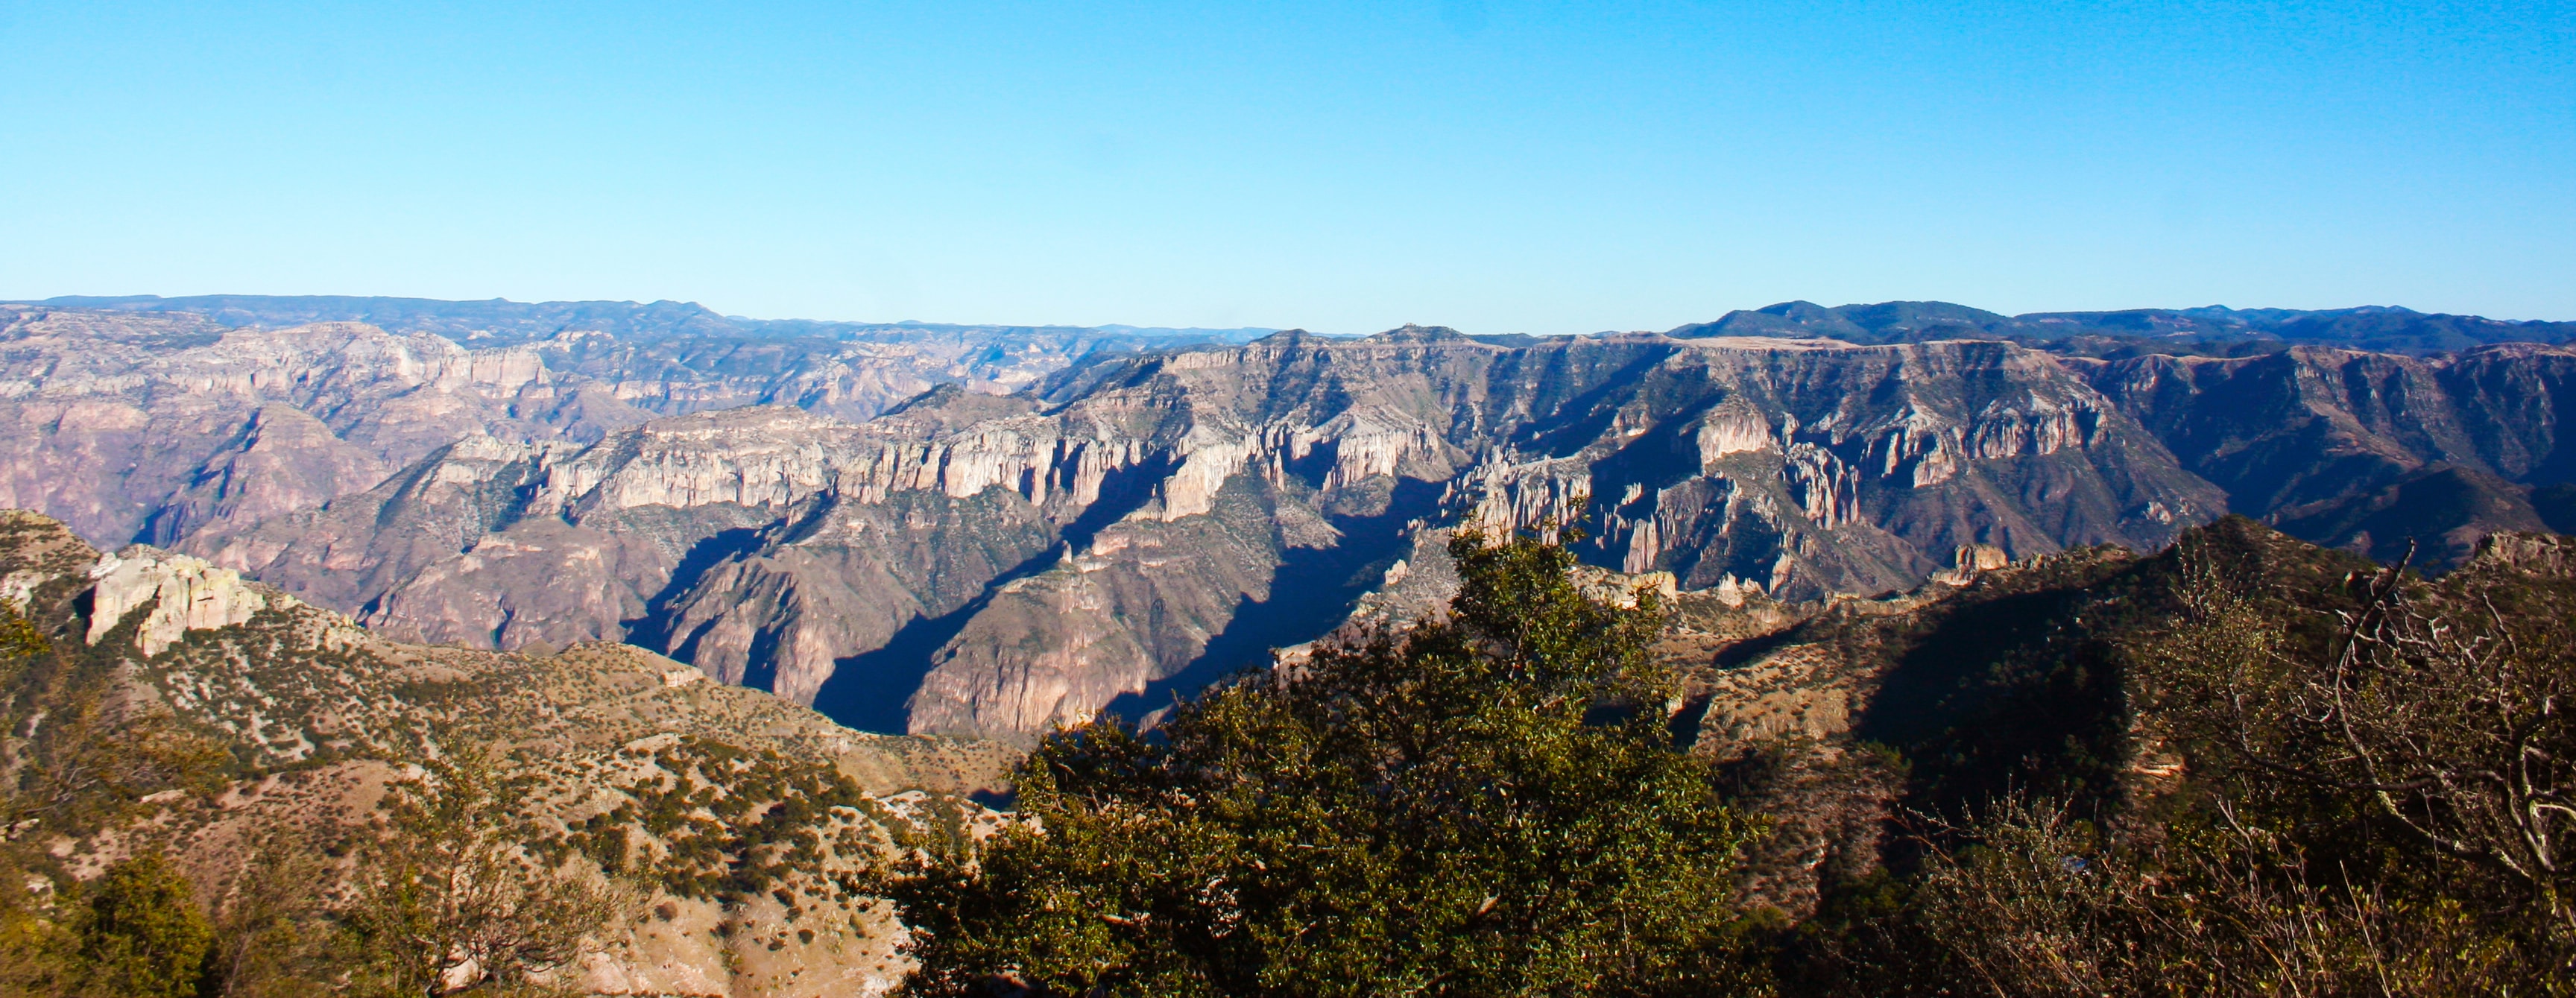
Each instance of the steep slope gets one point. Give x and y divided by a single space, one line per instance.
152 423
975 564
2364 450
746 820
128 428
1130 525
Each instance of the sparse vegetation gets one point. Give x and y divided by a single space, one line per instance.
288 806
447 898
2341 779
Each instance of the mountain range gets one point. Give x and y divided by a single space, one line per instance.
499 321
990 531
2208 329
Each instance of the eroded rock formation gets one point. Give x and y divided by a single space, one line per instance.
1030 560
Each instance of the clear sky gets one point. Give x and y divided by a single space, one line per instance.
1496 166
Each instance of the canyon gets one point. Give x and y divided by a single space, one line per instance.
993 531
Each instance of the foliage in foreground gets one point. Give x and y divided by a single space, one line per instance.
1488 805
2244 766
447 897
444 895
2374 799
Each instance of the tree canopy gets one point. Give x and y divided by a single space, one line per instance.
1489 804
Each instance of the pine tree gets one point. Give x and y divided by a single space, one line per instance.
140 932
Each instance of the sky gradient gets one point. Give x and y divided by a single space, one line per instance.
1499 167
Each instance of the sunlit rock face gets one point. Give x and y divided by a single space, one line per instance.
136 429
154 426
1816 467
1002 565
175 594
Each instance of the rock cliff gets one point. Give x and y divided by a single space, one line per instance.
175 593
2365 450
998 566
150 425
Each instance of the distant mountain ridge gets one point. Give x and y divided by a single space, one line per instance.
2215 328
2379 328
502 322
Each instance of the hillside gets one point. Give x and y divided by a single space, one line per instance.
778 809
2239 765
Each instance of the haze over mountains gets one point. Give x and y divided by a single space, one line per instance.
989 531
2210 329
503 321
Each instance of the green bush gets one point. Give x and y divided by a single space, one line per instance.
1479 807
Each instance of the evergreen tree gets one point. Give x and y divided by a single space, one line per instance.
140 932
74 759
1488 805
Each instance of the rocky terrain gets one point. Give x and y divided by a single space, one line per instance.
1850 720
1060 527
1050 552
317 712
750 825
2365 450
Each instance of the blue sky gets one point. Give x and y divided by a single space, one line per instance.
1496 166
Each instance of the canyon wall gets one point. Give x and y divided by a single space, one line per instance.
997 550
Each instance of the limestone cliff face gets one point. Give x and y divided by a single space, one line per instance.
152 428
1817 467
764 534
177 593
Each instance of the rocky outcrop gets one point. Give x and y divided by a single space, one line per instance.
176 594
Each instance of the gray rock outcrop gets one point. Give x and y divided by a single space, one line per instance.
177 594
